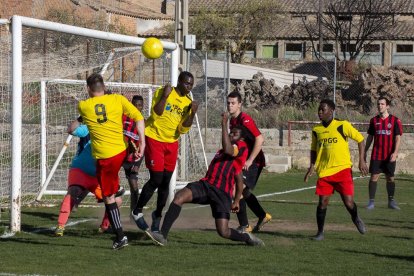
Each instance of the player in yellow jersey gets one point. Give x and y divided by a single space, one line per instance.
102 114
172 114
331 159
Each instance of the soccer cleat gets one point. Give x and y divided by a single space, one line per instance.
158 238
120 244
59 231
393 205
261 222
140 221
370 205
319 236
244 229
155 225
360 225
103 230
254 241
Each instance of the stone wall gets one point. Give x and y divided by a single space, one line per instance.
276 143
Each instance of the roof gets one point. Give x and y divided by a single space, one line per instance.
286 6
143 9
294 29
131 8
160 32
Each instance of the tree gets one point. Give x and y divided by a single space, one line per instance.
238 27
353 24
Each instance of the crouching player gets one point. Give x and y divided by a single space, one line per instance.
82 180
216 189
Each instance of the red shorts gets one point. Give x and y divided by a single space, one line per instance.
341 182
79 178
160 156
107 173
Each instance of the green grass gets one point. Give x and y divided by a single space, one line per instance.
387 248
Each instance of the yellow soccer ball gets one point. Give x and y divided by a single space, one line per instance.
152 48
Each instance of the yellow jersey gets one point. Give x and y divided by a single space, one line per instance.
103 117
168 127
331 146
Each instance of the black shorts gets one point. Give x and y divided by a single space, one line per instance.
382 166
251 176
204 193
131 169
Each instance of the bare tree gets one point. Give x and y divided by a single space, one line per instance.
238 27
353 24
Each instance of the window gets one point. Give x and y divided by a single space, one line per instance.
294 47
348 48
344 17
404 48
326 48
372 48
269 51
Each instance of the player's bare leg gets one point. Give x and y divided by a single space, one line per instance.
351 206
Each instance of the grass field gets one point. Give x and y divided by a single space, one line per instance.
195 249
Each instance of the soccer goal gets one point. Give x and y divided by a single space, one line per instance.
43 68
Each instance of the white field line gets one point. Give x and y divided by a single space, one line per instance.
39 230
278 193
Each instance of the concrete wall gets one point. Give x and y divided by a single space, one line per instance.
276 143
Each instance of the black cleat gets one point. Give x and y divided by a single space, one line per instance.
120 244
360 225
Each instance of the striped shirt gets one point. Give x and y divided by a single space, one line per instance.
131 136
384 131
246 121
223 168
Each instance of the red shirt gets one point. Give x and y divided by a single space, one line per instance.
245 120
130 136
223 168
384 131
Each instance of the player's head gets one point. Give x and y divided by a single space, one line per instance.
234 103
325 110
383 104
138 102
237 133
95 84
185 82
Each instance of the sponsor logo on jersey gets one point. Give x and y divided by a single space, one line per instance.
175 109
384 132
168 107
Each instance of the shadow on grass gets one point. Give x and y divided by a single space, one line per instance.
390 226
399 237
409 258
45 215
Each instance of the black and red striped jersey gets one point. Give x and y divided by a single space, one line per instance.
384 131
223 168
246 121
130 136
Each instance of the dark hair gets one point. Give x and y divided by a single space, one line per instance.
95 82
329 103
185 74
243 131
137 98
384 98
235 94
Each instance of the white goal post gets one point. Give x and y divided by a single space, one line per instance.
17 23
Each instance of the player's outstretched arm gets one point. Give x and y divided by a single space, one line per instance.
362 164
141 130
311 168
367 145
225 139
235 207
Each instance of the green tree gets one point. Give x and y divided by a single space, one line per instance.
238 27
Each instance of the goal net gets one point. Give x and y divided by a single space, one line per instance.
36 109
